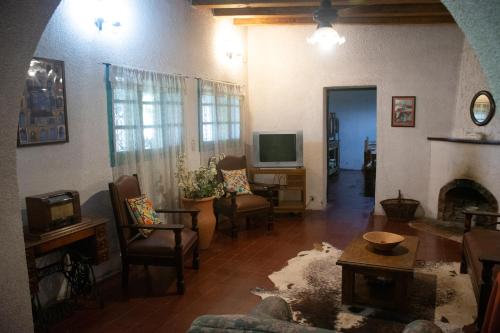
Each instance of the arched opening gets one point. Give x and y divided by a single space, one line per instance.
21 26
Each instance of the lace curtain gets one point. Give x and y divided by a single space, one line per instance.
147 129
221 119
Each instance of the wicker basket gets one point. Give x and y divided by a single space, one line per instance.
400 209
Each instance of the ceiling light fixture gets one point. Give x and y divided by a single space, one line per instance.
325 36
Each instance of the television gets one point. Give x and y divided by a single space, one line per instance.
277 149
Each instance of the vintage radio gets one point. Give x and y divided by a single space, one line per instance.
52 210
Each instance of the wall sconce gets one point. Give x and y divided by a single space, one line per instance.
228 43
234 55
99 22
106 14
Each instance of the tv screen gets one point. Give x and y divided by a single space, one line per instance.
278 147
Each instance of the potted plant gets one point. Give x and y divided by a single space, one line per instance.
199 188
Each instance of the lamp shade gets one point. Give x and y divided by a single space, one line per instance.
326 37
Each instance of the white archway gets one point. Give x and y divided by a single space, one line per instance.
21 26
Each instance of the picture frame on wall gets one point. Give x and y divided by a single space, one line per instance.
43 116
403 111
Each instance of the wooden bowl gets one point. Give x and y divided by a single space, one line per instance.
383 241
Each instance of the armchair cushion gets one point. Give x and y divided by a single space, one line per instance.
245 202
142 212
161 243
237 181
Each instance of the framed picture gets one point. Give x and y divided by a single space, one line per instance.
43 115
403 111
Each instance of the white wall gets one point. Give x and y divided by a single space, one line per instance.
357 114
21 25
471 80
163 36
287 76
450 160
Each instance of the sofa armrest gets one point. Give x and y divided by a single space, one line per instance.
469 213
273 307
246 323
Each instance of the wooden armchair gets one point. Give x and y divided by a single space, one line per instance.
245 205
167 245
481 257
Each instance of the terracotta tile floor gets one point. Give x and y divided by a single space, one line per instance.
230 268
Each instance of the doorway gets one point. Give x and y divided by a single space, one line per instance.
351 142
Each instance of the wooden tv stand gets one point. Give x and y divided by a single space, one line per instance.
290 180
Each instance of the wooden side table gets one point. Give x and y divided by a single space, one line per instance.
294 181
398 266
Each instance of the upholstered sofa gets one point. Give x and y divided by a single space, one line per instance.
481 258
273 315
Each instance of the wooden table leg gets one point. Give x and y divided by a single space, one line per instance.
348 277
401 290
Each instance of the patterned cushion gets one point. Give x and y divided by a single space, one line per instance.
142 212
236 180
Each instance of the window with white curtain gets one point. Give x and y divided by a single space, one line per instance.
158 112
220 118
146 128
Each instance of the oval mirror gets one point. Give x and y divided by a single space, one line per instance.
482 108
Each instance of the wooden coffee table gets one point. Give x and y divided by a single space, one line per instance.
395 266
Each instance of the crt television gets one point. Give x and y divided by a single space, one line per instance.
277 149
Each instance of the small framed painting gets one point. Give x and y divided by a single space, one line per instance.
43 116
403 111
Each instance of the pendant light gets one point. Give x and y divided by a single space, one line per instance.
325 36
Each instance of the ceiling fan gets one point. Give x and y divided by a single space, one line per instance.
325 36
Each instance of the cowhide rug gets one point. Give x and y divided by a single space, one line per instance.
311 284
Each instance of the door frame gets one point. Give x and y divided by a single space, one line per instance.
326 90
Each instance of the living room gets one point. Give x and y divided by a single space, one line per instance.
283 79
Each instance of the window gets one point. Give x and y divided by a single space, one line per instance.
156 113
145 115
146 130
220 115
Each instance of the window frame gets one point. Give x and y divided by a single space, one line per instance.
159 103
214 122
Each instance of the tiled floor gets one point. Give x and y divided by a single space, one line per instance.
230 268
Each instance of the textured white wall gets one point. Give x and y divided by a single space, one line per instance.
163 36
450 160
287 76
471 79
21 25
480 25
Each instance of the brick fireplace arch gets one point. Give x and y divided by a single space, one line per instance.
460 194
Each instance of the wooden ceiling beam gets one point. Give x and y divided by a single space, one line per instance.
394 10
344 11
300 3
264 11
346 20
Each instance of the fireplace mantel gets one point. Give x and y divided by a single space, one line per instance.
463 140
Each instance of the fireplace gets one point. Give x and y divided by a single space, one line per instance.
461 194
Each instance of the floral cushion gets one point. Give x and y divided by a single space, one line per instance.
236 180
142 212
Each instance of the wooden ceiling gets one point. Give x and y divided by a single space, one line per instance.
257 12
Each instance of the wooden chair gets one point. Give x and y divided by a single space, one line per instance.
245 205
167 245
